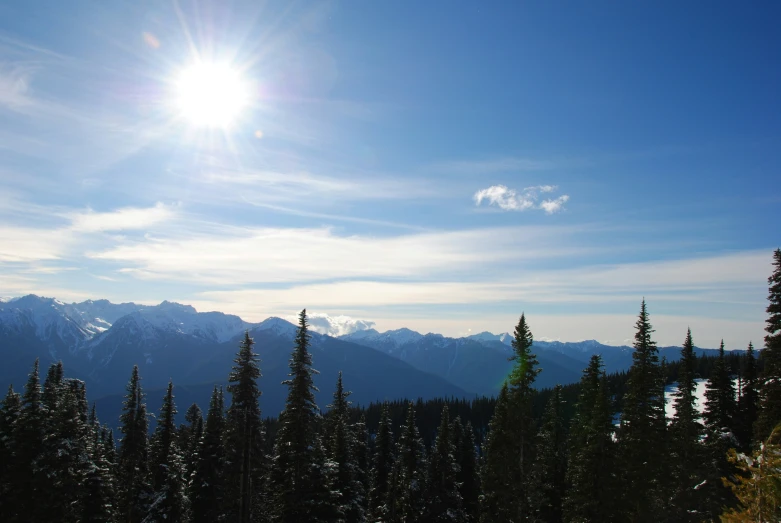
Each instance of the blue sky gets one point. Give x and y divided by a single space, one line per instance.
437 165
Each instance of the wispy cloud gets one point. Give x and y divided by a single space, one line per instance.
14 85
127 218
235 255
26 244
511 200
732 278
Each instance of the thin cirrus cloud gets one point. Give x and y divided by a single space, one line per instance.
508 199
127 218
231 255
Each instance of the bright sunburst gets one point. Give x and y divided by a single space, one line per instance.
211 95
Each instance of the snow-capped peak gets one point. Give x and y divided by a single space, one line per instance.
278 326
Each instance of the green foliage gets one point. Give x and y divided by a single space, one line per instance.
341 452
409 473
550 464
382 468
9 415
770 384
642 435
591 467
133 465
689 456
748 402
207 483
442 499
300 480
243 437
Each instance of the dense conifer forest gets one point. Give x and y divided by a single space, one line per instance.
561 454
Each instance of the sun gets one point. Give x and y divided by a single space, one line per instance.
211 95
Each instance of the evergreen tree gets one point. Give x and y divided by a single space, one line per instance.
405 499
591 465
362 457
346 483
66 458
298 482
770 385
133 464
719 398
643 431
9 415
244 438
29 480
99 504
189 437
517 426
499 474
169 502
442 500
685 433
468 480
382 468
550 464
719 417
206 488
52 386
749 399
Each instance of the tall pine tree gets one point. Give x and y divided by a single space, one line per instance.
299 488
642 434
134 481
748 402
30 484
207 483
468 479
509 495
590 469
244 438
382 468
405 499
169 502
9 414
770 385
685 433
442 499
341 451
99 485
66 457
550 464
499 474
719 398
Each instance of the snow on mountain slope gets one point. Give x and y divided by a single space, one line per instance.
486 336
47 316
389 341
278 326
76 323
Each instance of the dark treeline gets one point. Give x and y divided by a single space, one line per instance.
527 455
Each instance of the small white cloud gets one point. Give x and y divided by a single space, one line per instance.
511 200
504 198
334 325
127 218
554 206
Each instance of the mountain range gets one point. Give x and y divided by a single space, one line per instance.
99 342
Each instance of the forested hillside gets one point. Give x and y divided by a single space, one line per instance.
599 450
